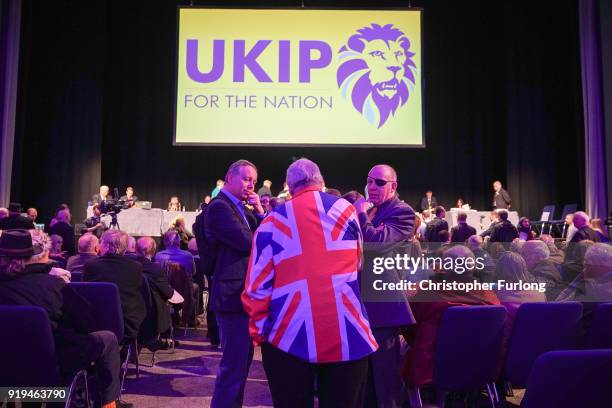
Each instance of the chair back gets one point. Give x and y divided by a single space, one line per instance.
148 327
27 348
599 331
570 379
182 282
467 347
538 328
76 275
548 213
568 209
104 299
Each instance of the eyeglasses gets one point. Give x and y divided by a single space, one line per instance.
379 182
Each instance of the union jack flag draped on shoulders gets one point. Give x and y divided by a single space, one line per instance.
301 291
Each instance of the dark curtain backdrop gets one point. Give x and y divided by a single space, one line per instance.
502 101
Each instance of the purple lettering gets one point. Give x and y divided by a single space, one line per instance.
284 60
242 60
307 64
218 62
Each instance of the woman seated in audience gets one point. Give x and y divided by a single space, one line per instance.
428 308
77 344
536 255
573 265
178 225
524 229
43 260
601 229
55 253
174 204
55 220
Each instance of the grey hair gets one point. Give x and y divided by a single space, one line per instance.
235 166
302 173
534 252
114 242
474 242
146 247
512 267
599 255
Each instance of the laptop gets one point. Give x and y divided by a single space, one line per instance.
145 205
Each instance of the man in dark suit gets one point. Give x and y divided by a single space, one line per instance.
229 231
504 230
161 290
432 232
462 231
112 266
205 266
63 228
501 198
89 245
428 202
15 220
129 199
102 196
387 231
581 222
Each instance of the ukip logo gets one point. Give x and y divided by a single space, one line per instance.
376 71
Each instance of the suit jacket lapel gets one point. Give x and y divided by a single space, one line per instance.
236 210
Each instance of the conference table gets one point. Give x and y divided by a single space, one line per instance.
480 220
152 222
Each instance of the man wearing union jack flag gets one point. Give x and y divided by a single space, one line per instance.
303 300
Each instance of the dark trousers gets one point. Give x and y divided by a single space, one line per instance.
102 349
212 328
384 381
235 362
292 381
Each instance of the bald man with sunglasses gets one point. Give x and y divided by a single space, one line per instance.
387 225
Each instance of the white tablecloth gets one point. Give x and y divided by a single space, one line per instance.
150 223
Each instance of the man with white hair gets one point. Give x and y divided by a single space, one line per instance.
63 228
536 255
124 272
302 297
102 196
583 230
88 250
386 229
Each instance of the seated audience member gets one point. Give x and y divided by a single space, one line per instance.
516 245
178 225
556 255
600 228
511 267
161 290
265 189
174 204
56 254
432 232
77 345
487 274
61 207
496 250
583 230
63 228
504 231
524 229
462 231
129 198
89 245
42 240
32 214
15 220
102 196
265 202
574 264
494 217
428 308
594 285
94 223
568 228
536 253
174 253
130 251
112 266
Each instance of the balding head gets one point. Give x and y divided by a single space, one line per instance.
88 244
131 245
146 247
382 184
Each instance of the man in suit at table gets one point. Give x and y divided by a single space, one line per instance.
501 198
230 221
387 230
428 202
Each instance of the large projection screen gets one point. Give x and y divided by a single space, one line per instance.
299 77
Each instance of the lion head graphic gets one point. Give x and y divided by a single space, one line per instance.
376 71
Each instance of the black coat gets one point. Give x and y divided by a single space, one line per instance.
504 231
501 200
432 232
66 231
424 206
16 221
461 232
230 239
127 275
161 291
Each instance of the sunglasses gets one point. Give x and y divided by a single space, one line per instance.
380 182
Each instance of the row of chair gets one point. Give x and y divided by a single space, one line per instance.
468 349
548 214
